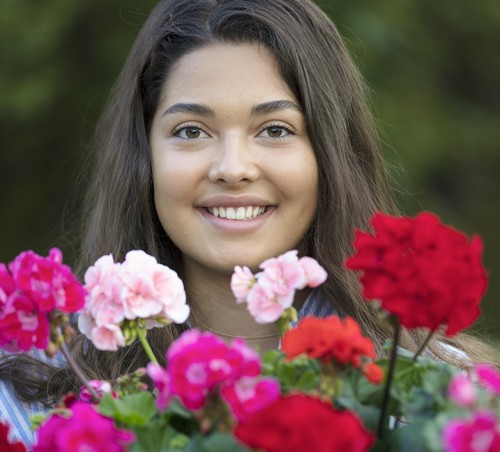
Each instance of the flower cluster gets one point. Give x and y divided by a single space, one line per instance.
32 288
425 273
201 363
298 422
138 293
321 391
270 292
333 341
80 427
478 426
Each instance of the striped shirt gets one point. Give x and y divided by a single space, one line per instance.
17 414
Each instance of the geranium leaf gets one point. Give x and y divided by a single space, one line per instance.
216 442
132 409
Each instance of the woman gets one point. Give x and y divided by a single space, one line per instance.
238 130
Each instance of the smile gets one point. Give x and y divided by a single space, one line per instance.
237 213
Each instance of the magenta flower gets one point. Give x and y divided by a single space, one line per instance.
161 380
30 289
248 395
84 429
489 377
199 362
101 387
140 288
22 325
269 293
479 434
461 391
47 281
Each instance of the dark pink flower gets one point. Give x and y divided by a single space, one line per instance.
479 434
22 324
100 386
84 429
199 362
248 395
47 281
489 377
161 380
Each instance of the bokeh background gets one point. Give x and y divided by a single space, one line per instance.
433 69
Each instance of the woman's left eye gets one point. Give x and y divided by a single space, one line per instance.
276 132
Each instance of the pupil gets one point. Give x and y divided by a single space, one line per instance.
275 131
192 133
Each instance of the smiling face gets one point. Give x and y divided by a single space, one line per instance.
234 173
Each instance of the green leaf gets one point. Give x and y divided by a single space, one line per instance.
130 410
216 442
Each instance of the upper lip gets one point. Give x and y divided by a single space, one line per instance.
233 201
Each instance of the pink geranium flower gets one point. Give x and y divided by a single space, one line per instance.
84 429
270 292
248 395
479 434
284 274
241 283
461 391
138 288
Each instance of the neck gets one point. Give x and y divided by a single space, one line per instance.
214 308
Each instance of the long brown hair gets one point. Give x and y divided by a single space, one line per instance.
119 212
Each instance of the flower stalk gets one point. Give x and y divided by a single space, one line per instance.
383 420
141 334
78 372
423 346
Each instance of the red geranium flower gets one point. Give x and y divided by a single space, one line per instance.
328 339
297 422
5 445
425 273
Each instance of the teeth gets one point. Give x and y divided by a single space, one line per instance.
237 213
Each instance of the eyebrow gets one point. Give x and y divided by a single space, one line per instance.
260 109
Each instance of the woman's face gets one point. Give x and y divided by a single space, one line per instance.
234 173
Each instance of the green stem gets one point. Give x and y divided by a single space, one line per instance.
383 421
422 347
141 333
78 372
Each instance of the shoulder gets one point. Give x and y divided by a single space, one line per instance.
16 413
317 306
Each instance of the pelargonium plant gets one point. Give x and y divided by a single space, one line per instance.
325 389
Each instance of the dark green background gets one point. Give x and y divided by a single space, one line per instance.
433 68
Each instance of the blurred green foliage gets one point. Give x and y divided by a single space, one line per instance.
433 69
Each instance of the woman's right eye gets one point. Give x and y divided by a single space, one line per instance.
189 133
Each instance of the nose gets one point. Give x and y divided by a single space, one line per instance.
233 162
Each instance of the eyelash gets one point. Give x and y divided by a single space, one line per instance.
289 131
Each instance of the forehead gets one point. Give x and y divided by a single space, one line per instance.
226 73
